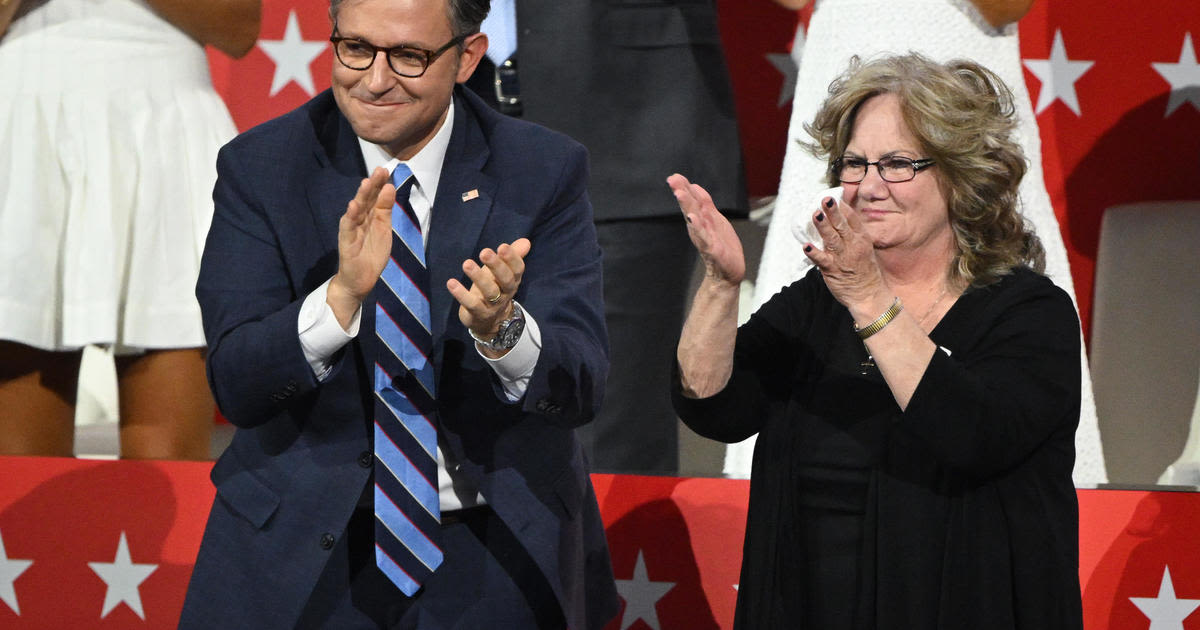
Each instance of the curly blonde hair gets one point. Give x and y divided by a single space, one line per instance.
962 115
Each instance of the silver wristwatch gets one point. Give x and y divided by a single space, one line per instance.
508 334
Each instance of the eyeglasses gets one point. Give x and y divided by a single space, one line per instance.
894 169
406 61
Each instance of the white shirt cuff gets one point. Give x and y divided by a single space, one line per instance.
321 336
516 367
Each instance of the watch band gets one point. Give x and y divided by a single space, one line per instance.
507 334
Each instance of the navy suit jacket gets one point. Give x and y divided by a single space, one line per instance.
301 456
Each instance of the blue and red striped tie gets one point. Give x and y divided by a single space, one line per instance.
407 512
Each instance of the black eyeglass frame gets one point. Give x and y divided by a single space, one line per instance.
430 55
917 167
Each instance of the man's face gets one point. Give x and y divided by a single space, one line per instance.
400 113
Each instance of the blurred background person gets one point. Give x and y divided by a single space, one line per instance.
917 393
110 128
645 88
984 31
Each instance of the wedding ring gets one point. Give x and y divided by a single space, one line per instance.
493 300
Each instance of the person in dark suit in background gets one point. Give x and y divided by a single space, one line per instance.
288 291
645 88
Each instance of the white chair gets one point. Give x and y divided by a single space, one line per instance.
1145 343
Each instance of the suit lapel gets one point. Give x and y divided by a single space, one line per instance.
464 200
340 169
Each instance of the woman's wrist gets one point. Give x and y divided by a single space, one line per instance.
868 310
719 286
880 322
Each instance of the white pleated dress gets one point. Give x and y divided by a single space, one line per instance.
110 128
941 30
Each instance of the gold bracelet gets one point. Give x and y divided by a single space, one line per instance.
883 320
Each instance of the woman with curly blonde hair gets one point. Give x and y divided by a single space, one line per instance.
916 393
983 31
968 134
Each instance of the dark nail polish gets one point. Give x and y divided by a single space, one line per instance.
807 248
820 217
829 202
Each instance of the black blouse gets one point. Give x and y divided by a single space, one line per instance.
969 513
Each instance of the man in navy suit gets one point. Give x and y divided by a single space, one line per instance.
297 243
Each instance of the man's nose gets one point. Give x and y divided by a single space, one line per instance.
380 76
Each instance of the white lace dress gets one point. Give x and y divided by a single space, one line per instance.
110 128
942 30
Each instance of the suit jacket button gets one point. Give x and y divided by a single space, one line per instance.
365 459
543 405
327 541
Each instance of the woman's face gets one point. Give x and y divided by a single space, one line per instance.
908 215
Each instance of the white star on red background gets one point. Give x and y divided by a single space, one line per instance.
1058 75
292 56
1184 77
786 66
641 595
10 570
1166 612
123 578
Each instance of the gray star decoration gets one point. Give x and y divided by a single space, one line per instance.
292 56
1166 612
641 596
123 578
10 570
786 66
1058 75
1184 77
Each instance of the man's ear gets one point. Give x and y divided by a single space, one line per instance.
474 48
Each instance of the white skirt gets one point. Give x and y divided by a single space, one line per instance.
111 127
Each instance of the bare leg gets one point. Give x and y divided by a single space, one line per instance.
37 400
166 408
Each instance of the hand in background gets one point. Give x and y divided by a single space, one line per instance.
230 26
1000 13
8 8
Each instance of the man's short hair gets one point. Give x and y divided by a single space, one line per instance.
465 15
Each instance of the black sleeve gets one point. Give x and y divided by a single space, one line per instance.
764 367
987 407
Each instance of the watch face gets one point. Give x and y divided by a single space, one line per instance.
509 334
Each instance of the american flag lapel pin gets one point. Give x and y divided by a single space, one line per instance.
470 194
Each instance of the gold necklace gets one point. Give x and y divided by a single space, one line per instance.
945 290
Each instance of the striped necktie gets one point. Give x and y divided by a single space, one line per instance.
407 512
